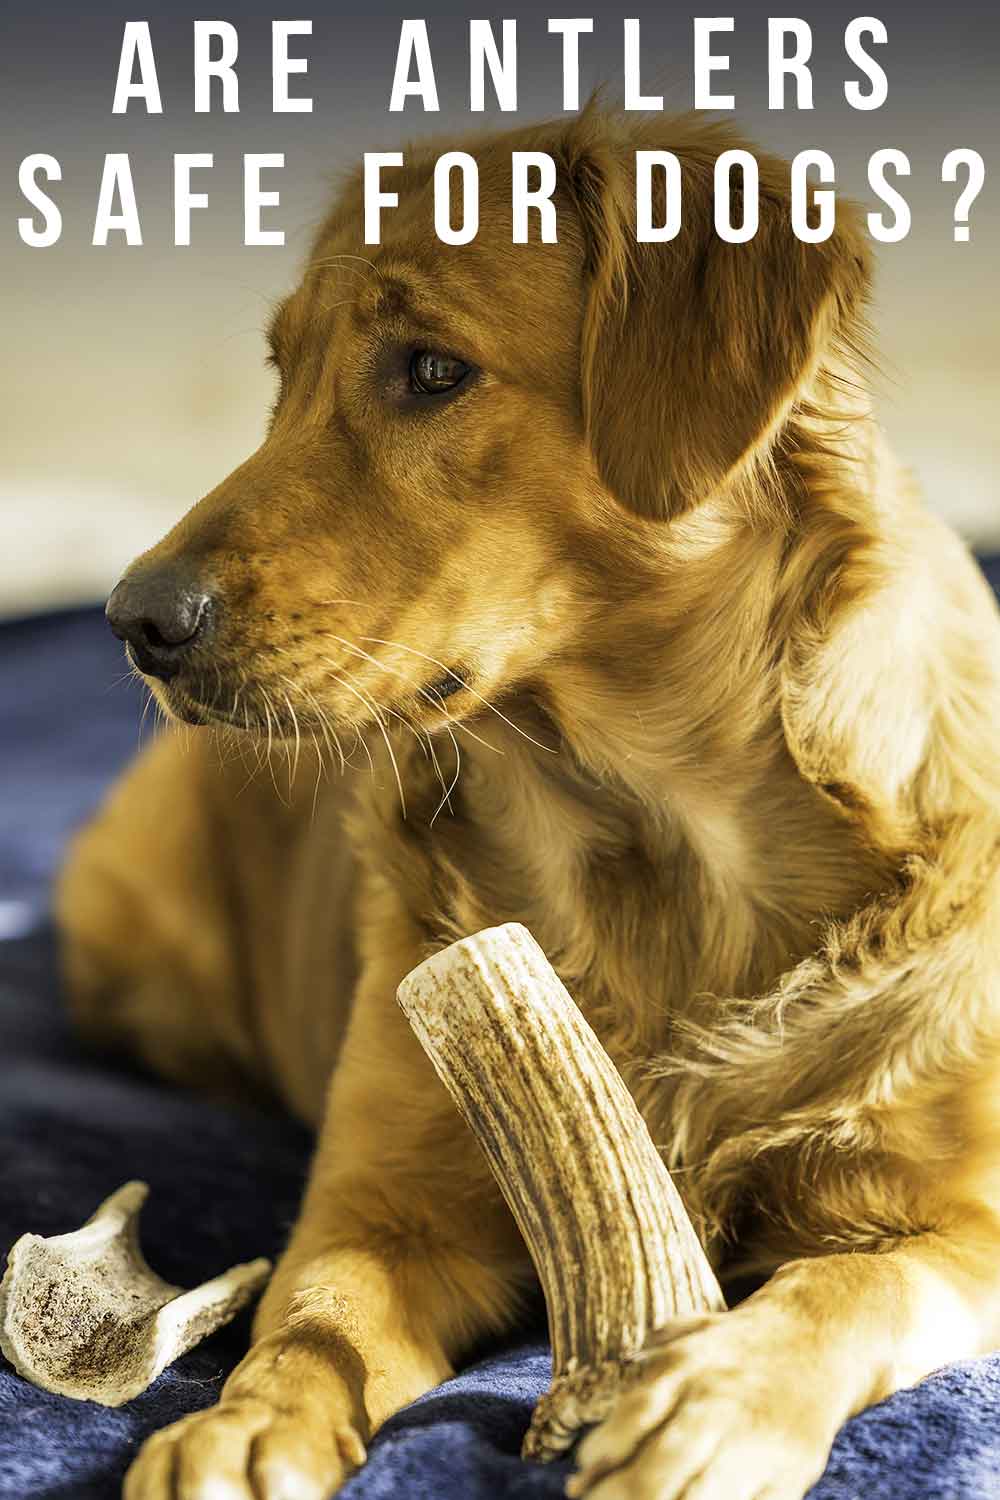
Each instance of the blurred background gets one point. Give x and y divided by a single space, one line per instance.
133 378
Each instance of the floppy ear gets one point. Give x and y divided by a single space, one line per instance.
694 351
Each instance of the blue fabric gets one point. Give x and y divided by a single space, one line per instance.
225 1183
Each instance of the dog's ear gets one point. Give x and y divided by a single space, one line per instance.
694 351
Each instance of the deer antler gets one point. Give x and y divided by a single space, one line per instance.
615 1252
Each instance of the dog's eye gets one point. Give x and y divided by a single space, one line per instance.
432 374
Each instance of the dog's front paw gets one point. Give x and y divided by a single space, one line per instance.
288 1427
727 1411
245 1450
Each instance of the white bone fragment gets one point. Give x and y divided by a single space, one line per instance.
615 1251
83 1315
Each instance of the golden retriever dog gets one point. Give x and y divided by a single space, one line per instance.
595 550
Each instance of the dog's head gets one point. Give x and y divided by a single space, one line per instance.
477 452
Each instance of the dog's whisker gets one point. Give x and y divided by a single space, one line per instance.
370 704
150 698
324 721
286 750
380 719
267 712
320 769
446 798
423 739
425 693
336 265
365 747
116 682
255 746
397 714
426 747
456 723
161 719
242 743
398 645
344 255
332 306
326 729
298 737
272 720
436 763
360 743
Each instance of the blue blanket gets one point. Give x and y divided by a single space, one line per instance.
225 1183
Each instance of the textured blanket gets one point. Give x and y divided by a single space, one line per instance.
225 1184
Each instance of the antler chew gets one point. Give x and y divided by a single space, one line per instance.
615 1251
83 1315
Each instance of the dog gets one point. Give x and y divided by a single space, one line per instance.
589 564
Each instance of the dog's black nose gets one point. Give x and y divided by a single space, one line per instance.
161 614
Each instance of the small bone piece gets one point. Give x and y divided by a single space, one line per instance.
83 1315
615 1251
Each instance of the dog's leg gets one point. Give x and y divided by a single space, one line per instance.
149 948
404 1252
745 1405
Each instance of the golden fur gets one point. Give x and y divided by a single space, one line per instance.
724 740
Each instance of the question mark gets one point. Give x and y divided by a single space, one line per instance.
963 157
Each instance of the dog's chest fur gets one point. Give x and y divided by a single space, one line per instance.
648 914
